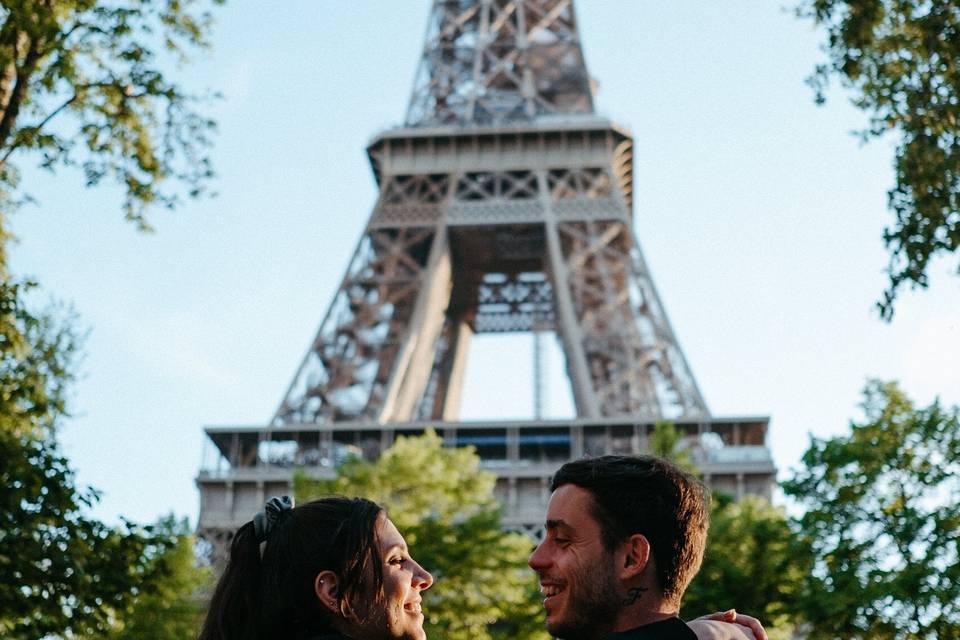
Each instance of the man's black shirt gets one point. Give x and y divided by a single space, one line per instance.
669 629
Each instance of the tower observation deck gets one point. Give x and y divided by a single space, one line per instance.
505 205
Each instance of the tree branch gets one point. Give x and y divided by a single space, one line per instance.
13 146
88 27
38 127
19 90
9 35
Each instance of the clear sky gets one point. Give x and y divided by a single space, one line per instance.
759 213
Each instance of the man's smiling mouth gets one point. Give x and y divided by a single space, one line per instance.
551 590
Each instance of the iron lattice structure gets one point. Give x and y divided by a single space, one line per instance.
504 205
448 255
497 61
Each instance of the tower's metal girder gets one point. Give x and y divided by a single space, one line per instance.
495 61
491 232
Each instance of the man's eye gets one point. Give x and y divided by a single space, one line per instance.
561 541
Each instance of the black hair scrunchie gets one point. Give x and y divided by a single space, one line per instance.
266 520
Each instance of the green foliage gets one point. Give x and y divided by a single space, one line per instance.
884 522
443 503
61 572
755 562
172 609
82 84
666 442
900 57
58 569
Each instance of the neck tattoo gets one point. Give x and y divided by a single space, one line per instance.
633 595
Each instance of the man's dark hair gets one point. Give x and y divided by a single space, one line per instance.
652 497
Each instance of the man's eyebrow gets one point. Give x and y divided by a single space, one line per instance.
556 524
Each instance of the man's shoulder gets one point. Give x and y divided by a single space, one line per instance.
669 629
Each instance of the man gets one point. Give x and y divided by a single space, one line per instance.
624 537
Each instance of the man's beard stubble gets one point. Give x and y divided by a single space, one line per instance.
592 605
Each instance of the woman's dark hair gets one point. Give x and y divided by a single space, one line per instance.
273 596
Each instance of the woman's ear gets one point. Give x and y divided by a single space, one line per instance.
326 587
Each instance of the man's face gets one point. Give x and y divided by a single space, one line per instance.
576 572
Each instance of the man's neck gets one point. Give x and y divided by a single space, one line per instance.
639 614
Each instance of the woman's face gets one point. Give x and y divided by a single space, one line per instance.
403 580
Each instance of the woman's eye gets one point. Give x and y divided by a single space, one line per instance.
398 561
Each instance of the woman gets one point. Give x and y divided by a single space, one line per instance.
329 569
335 567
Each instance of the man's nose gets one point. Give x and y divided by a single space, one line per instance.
538 558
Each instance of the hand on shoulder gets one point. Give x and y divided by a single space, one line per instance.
727 625
716 630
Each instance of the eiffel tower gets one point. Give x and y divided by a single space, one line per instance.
505 205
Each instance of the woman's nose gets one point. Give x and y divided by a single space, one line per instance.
422 578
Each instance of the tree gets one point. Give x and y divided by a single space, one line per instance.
82 84
61 572
443 504
884 522
900 58
172 609
666 442
755 561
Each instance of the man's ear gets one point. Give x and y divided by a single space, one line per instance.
327 589
635 551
